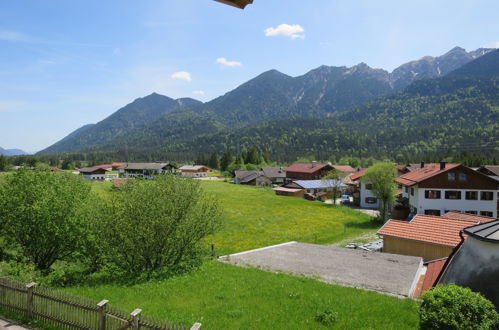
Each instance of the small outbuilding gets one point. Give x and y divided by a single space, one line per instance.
93 173
476 264
194 171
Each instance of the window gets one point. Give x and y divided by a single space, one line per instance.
369 186
472 195
407 190
486 195
452 194
412 191
486 213
432 194
463 177
471 212
371 200
432 212
451 176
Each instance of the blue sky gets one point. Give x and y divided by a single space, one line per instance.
64 63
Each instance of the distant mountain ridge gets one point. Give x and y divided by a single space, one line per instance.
12 152
155 121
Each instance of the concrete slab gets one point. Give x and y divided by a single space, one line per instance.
382 272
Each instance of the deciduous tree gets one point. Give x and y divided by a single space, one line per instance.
382 177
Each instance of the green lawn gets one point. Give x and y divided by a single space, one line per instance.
256 217
228 297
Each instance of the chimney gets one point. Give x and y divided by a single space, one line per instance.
442 166
422 164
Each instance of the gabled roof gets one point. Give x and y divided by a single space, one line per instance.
437 230
55 169
247 176
422 174
90 170
467 217
193 167
487 231
117 164
492 170
307 168
274 172
344 168
357 175
146 166
318 184
104 166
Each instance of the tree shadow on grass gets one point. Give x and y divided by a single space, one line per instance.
363 225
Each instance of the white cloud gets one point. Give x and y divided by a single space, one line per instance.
199 92
225 62
294 31
182 75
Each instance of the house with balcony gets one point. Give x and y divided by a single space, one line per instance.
435 189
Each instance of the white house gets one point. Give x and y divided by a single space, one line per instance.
366 197
194 171
437 188
93 173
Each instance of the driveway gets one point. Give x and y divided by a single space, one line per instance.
382 272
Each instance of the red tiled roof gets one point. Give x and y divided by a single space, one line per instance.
424 173
344 168
357 175
117 164
55 169
467 217
433 269
104 166
428 228
306 168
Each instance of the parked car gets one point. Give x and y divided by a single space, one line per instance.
345 199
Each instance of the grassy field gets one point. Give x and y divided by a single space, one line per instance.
255 217
228 297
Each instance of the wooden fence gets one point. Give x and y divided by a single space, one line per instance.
70 312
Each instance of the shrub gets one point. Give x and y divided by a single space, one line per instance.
454 307
155 227
40 214
326 317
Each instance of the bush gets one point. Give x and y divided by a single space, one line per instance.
454 307
40 214
326 317
155 227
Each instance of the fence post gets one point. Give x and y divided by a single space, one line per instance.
196 326
29 299
102 314
135 319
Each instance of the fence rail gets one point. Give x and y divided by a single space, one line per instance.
70 312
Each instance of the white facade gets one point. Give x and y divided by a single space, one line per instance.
367 198
94 176
194 174
420 203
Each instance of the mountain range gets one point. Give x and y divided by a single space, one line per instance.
247 115
12 152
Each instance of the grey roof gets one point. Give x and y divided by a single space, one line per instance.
486 231
246 176
319 184
274 172
146 166
90 169
192 167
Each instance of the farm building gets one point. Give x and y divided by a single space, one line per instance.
253 178
318 189
93 173
275 174
194 171
309 171
147 170
427 236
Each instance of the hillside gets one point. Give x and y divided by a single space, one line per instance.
12 152
338 96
